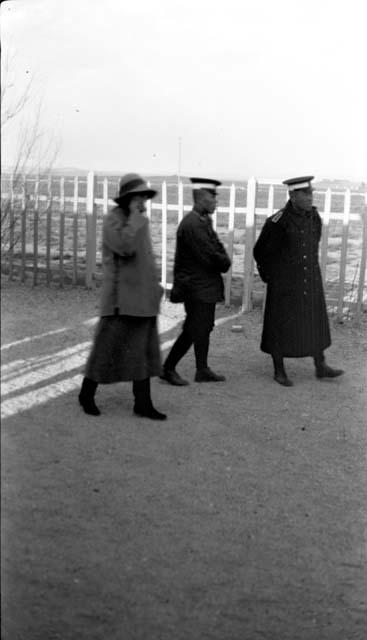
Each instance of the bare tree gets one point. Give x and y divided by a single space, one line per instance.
35 148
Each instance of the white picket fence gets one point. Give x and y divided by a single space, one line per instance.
31 207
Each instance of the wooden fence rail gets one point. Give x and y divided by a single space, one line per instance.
342 253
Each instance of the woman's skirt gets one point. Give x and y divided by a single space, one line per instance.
125 348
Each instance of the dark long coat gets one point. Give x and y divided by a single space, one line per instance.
286 252
200 259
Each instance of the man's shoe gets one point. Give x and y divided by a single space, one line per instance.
173 378
149 412
89 405
207 375
283 379
324 371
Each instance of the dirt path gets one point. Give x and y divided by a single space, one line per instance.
241 517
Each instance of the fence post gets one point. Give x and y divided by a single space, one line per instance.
149 203
343 254
214 218
48 228
62 230
23 227
232 205
325 234
269 213
248 270
180 202
164 236
75 230
362 269
91 230
270 201
105 195
11 227
35 230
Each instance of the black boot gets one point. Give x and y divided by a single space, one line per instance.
203 372
322 370
143 405
173 378
280 375
328 372
86 397
207 375
179 349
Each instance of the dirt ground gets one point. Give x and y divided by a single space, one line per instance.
241 517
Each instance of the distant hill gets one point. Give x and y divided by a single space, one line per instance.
321 184
69 171
336 185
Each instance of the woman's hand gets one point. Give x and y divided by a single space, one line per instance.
137 206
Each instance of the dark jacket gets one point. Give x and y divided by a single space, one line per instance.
130 278
286 252
200 258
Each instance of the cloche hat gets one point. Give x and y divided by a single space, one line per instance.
132 183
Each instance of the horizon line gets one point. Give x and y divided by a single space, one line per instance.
226 176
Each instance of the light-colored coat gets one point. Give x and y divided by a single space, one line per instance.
130 279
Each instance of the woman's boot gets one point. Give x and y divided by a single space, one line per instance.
280 375
86 397
143 405
322 370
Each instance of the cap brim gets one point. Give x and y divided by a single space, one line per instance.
298 183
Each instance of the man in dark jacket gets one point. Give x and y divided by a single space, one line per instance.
200 259
295 319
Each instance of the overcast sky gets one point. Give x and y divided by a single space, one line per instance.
252 87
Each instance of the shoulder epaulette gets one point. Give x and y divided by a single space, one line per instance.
277 215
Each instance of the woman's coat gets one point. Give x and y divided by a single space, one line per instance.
130 278
126 344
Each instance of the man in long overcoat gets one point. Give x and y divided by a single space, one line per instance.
295 318
200 259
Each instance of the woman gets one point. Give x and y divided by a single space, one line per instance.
126 345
